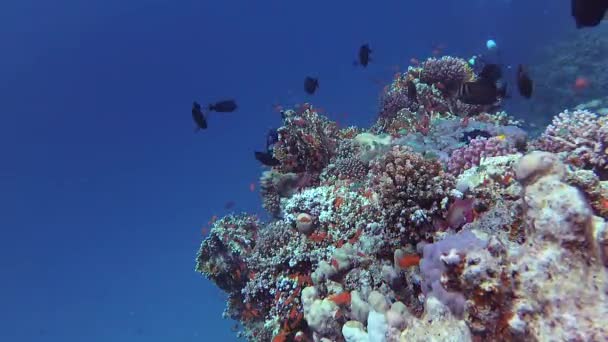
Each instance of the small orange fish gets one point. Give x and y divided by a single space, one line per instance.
252 187
414 61
581 83
340 299
409 260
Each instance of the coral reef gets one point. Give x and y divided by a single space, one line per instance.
580 136
433 225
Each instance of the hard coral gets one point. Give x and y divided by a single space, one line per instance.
409 186
580 136
222 254
307 141
447 70
470 155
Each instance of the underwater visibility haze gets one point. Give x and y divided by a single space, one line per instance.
303 171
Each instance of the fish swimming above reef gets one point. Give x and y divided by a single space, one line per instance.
225 106
474 134
481 92
198 116
364 55
311 85
485 90
412 93
524 82
266 158
272 137
588 13
491 72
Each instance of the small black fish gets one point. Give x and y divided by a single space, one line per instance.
225 106
588 13
476 133
491 72
266 158
412 94
199 118
364 55
481 92
311 85
272 137
524 82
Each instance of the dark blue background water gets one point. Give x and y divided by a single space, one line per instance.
104 187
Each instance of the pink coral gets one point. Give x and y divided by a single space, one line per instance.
470 155
581 136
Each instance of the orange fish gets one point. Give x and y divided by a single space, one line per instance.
252 187
414 61
342 298
581 83
409 260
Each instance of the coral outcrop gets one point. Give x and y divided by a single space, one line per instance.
437 224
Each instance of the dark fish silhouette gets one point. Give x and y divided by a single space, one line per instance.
311 85
199 118
476 133
412 93
491 72
266 158
588 13
223 106
524 82
364 55
485 90
481 92
272 137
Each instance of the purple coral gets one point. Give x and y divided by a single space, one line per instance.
437 257
468 156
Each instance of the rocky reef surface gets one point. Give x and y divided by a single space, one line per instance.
441 222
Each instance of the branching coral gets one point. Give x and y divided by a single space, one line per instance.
410 187
581 136
470 155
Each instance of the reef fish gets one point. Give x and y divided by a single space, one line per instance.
198 116
485 90
481 92
266 158
588 13
311 85
412 93
364 55
223 106
491 72
272 137
524 82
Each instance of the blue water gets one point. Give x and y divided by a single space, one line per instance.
104 187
